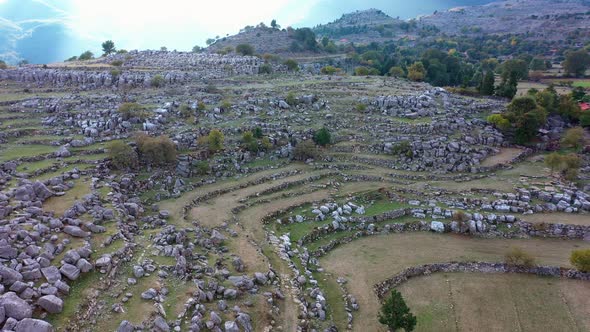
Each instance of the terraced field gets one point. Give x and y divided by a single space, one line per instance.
243 239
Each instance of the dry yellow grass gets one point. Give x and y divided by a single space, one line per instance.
367 261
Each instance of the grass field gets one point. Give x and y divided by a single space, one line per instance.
367 261
497 302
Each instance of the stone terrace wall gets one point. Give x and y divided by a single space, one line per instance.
382 289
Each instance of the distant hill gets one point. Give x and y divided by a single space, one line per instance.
364 26
547 19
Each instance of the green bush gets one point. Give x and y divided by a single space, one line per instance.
291 64
403 148
122 155
265 69
250 142
3 65
291 99
257 132
580 259
131 110
157 81
266 144
117 63
329 70
245 49
215 140
156 150
322 137
202 167
397 72
499 121
573 138
517 256
185 111
360 107
86 56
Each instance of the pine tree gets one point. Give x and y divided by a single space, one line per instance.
487 84
395 314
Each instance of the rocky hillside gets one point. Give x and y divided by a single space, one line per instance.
548 19
362 27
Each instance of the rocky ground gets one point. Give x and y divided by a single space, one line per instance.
240 247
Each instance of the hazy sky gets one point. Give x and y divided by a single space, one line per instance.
57 29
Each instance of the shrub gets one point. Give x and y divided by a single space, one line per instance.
202 167
322 137
266 144
360 107
580 259
201 106
3 65
131 110
157 81
122 155
329 70
245 49
250 142
573 138
291 99
395 313
215 140
291 64
155 150
403 148
257 132
305 150
115 73
499 121
517 256
460 216
185 111
117 63
265 69
417 72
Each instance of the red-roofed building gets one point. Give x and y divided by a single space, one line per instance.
585 106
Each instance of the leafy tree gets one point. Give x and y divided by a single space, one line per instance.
3 65
164 49
397 72
108 47
395 313
197 49
548 99
573 138
122 155
527 118
576 63
580 259
210 41
215 140
274 25
305 150
322 137
86 56
487 84
245 49
417 72
517 67
156 150
508 87
291 64
538 64
307 38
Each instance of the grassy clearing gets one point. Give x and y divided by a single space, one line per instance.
15 151
367 261
519 302
60 204
558 218
583 84
505 155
